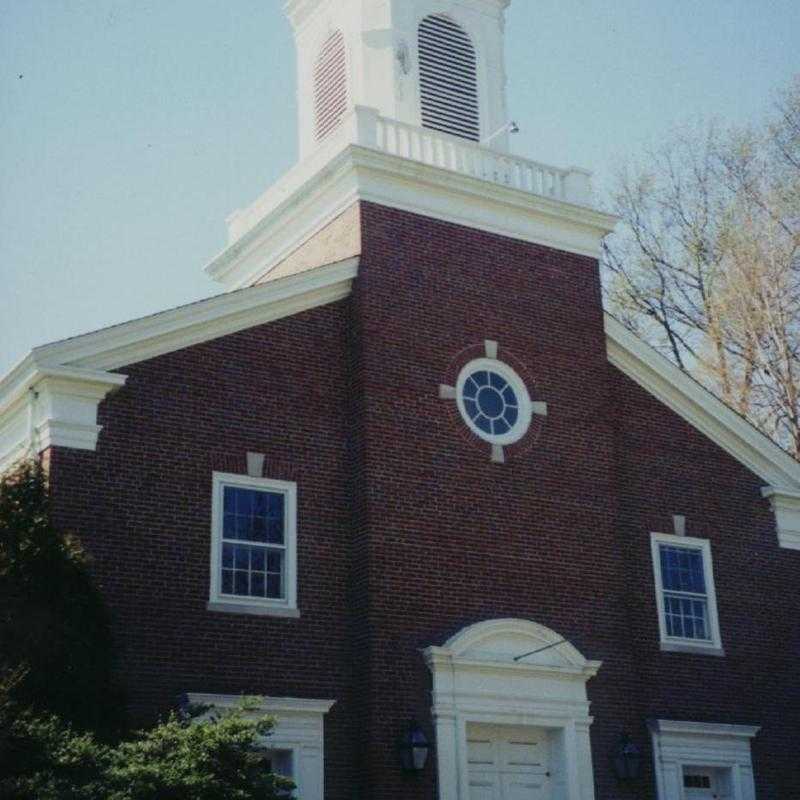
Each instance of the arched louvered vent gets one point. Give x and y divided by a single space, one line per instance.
330 85
448 78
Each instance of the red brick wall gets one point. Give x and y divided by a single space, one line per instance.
408 532
142 505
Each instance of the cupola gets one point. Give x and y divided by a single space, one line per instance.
402 103
426 63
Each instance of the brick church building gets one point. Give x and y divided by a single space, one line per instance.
468 537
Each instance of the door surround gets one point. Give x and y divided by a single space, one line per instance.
479 677
723 747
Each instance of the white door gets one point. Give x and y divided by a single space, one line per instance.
508 763
700 784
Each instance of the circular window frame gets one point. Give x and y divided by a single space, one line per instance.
523 423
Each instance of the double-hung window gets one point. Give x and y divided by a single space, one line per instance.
685 594
253 545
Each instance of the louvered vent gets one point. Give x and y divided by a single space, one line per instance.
330 85
448 78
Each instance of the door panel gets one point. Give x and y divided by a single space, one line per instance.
508 763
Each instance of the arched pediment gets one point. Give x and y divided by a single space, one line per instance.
514 641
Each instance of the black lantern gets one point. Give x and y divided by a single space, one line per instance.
627 760
414 749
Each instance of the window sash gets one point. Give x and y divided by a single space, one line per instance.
685 615
241 572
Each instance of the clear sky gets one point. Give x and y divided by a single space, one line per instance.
129 129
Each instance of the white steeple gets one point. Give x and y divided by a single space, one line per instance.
402 104
428 63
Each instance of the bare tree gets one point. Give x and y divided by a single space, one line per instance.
706 264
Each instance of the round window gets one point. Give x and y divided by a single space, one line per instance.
493 401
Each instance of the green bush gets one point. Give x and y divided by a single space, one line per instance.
56 653
219 757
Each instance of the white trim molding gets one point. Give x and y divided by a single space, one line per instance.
285 606
145 338
709 415
786 507
51 397
512 672
712 646
299 730
360 163
51 406
720 747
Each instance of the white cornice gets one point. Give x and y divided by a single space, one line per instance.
709 415
665 726
699 407
209 319
51 397
269 705
786 507
308 200
44 406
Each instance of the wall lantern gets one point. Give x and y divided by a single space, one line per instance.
627 760
414 749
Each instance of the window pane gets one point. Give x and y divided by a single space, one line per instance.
241 583
257 584
241 557
253 571
257 557
682 569
275 562
686 617
274 586
252 515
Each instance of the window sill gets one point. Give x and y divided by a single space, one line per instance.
695 649
254 610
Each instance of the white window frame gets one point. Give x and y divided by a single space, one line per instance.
722 748
681 644
299 733
284 607
517 385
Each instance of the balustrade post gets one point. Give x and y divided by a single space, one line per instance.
578 186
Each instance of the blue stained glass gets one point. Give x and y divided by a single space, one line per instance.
242 528
257 584
241 583
258 530
274 562
682 569
274 586
490 403
241 556
260 503
484 423
276 506
257 557
244 501
501 427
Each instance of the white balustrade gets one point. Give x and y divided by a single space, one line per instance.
468 158
364 127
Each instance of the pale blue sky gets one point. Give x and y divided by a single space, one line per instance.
138 125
